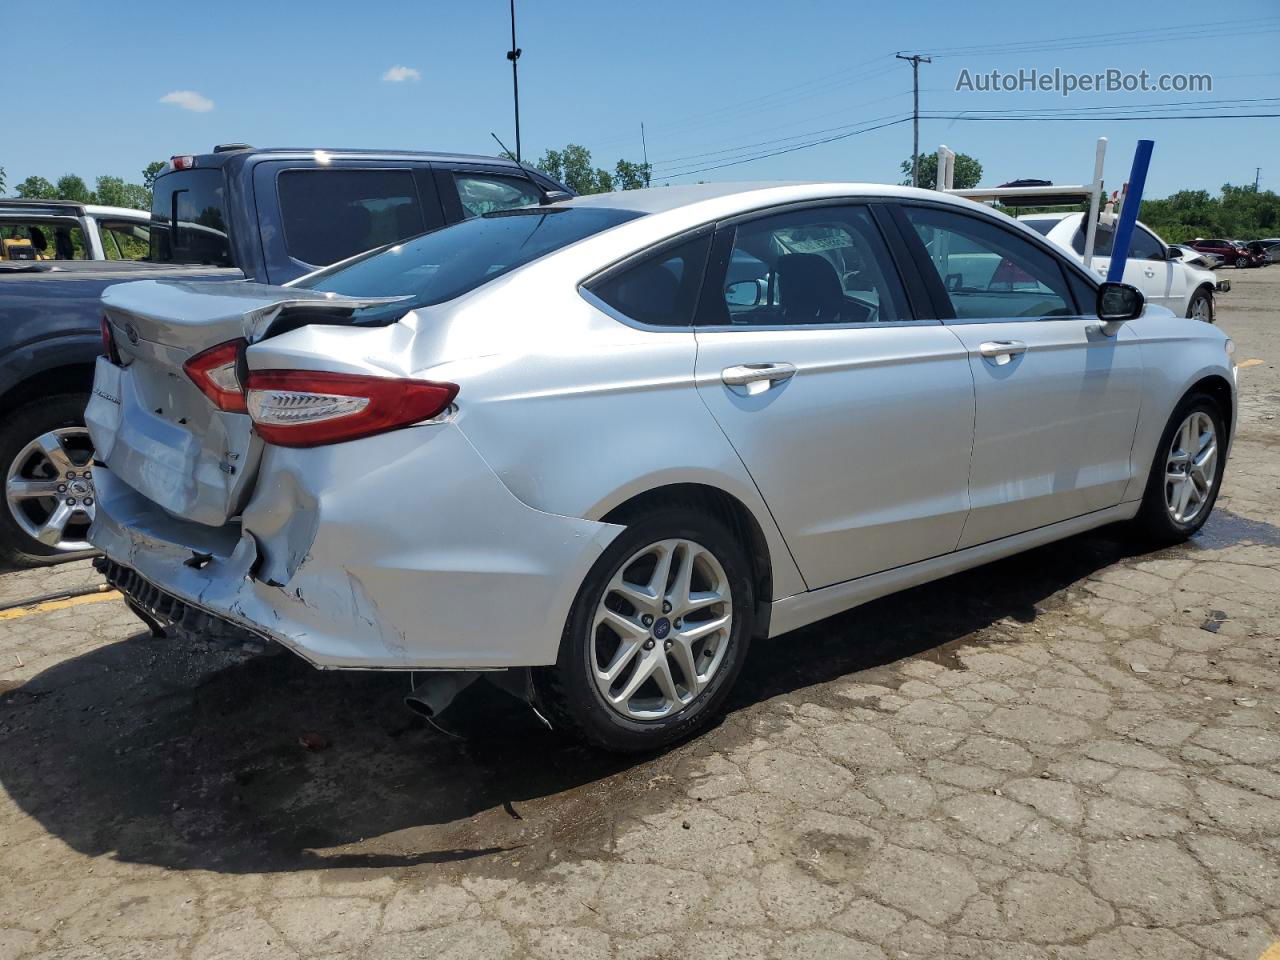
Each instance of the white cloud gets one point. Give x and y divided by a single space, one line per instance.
188 100
398 74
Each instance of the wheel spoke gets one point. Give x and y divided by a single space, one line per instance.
643 671
638 597
693 632
626 652
22 489
51 532
661 569
50 445
666 682
682 587
624 627
1184 497
682 653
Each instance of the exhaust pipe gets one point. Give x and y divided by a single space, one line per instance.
434 692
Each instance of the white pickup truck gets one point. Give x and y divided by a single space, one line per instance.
1154 267
66 230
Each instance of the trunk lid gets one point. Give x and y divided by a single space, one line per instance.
150 424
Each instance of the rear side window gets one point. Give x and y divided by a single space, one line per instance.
333 214
124 240
1143 246
1041 226
454 260
189 219
662 289
488 193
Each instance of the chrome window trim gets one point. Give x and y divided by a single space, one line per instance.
782 327
622 318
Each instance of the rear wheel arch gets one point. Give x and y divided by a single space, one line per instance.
67 378
728 510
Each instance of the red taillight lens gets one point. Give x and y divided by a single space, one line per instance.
303 408
109 343
185 162
214 372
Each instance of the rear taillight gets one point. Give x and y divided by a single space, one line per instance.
109 343
303 408
185 162
214 372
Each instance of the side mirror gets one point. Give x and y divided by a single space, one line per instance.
1173 253
744 293
1118 302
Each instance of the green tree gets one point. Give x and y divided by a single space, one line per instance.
150 172
572 166
631 176
137 196
71 187
110 191
37 188
968 171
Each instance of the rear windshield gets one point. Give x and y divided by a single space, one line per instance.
189 219
1041 226
454 260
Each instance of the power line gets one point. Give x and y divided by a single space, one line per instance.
1105 119
793 149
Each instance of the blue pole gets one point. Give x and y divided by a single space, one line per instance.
1129 213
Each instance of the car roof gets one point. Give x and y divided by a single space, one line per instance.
98 210
654 200
209 159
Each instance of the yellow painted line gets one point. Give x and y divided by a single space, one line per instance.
18 612
1253 362
1273 952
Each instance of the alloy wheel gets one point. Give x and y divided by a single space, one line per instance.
1191 467
49 489
1200 310
661 630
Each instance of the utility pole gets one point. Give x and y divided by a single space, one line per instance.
915 60
1257 173
644 147
513 55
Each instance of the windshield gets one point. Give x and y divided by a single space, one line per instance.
454 260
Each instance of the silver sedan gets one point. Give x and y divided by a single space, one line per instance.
596 447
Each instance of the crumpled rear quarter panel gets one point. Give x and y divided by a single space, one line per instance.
399 551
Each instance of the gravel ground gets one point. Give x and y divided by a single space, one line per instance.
1071 754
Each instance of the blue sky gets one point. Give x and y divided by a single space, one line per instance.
714 81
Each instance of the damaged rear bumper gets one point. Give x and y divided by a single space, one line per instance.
401 551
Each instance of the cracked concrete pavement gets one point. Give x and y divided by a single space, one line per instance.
1071 754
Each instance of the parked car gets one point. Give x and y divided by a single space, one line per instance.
1272 248
35 230
1260 252
1231 251
1152 266
236 213
1196 258
568 442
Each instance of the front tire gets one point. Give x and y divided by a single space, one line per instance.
48 505
656 637
1186 474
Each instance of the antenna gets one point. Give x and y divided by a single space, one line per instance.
644 147
545 196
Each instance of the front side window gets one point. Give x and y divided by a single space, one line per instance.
454 260
989 272
662 289
189 219
332 214
488 193
48 240
824 265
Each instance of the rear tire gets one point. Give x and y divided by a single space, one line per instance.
622 628
1180 495
61 415
1201 307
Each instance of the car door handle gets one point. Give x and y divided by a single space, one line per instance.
1002 351
1150 272
747 373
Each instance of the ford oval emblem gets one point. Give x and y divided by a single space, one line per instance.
131 332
